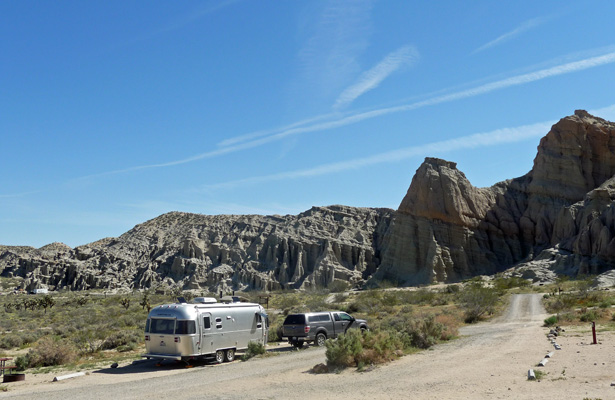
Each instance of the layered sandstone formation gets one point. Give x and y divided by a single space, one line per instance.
560 212
558 218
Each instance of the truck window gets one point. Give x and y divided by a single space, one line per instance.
336 316
295 319
206 323
345 317
185 328
163 326
319 318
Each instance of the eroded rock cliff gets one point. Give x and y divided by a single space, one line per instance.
561 211
312 249
559 218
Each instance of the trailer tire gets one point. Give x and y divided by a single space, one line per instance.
321 338
219 356
229 355
298 344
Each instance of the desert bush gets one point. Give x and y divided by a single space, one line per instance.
359 349
49 351
342 353
557 304
477 300
552 320
254 349
426 331
589 315
451 289
450 326
338 286
123 339
10 341
502 283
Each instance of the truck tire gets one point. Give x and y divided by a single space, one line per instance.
321 338
219 356
229 355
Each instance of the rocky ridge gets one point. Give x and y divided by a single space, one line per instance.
223 252
558 218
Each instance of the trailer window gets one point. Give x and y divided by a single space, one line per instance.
185 328
206 323
147 325
164 326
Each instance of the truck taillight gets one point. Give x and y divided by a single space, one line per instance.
176 340
146 337
307 329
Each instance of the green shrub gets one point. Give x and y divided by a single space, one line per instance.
10 341
477 301
552 320
126 339
343 352
360 349
48 351
509 283
254 349
589 316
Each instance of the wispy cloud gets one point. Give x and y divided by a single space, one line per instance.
348 119
22 194
203 10
493 138
526 26
370 79
335 38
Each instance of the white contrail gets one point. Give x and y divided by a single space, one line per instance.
483 89
499 136
532 23
354 118
370 79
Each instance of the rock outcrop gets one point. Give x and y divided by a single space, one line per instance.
558 218
225 252
560 212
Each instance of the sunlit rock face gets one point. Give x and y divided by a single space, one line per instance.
445 229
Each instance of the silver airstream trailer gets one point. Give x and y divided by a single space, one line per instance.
184 331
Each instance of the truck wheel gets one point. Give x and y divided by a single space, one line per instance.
320 339
230 355
219 356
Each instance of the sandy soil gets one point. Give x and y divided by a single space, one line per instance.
490 361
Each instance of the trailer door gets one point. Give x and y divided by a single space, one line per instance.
262 323
207 337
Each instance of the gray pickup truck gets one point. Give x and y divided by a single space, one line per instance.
316 327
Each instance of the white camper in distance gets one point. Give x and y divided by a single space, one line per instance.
184 331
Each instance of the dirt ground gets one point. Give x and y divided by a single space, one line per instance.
490 361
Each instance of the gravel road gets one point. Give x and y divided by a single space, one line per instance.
490 360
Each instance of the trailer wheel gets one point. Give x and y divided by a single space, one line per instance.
230 355
298 344
320 339
219 356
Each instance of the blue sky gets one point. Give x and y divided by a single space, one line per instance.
114 112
